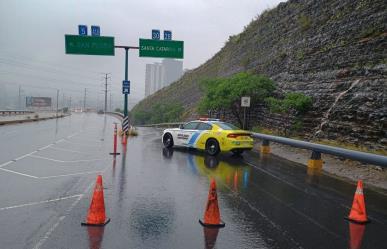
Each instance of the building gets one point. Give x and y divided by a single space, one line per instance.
159 75
173 70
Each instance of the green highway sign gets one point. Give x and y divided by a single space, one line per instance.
161 48
91 45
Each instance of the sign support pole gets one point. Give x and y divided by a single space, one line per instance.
125 121
126 78
244 118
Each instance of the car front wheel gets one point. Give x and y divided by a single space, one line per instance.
168 140
212 147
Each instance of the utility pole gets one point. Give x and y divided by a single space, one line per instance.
84 101
110 104
106 84
19 104
57 98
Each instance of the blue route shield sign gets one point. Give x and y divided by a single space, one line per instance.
95 31
82 29
167 35
155 34
126 87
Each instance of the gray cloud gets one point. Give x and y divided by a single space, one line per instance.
32 38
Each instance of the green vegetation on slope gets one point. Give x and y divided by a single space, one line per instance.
292 105
225 93
158 113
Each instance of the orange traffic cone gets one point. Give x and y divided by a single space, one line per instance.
358 211
96 215
212 214
356 233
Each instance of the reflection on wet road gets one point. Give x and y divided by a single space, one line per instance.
156 196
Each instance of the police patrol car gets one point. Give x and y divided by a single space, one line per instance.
210 135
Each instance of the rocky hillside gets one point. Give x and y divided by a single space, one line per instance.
332 50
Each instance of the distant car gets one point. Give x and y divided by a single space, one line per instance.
100 112
210 135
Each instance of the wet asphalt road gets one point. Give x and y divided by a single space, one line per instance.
155 197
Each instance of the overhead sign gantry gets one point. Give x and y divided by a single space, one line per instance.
82 44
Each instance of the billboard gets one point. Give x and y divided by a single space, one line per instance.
38 101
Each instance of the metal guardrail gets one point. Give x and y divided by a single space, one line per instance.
9 112
161 125
316 149
326 149
119 114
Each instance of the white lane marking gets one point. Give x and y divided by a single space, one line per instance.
89 140
76 133
52 229
6 163
45 147
31 153
59 141
57 176
75 161
72 151
40 202
24 156
48 233
18 173
85 145
73 174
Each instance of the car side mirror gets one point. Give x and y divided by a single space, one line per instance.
181 126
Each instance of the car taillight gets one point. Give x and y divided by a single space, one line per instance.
235 135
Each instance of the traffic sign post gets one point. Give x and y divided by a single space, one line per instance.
245 103
126 87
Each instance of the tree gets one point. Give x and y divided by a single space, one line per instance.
225 93
159 113
293 104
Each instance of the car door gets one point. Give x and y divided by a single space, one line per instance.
203 133
186 132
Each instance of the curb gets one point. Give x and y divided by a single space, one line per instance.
30 120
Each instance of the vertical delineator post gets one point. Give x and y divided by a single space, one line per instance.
315 161
115 141
265 147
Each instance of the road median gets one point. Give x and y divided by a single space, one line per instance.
19 121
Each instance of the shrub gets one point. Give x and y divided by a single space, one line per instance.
304 22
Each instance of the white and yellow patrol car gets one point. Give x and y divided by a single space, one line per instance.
210 135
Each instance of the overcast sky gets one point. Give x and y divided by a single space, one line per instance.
32 38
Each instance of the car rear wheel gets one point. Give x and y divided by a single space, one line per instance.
212 147
168 140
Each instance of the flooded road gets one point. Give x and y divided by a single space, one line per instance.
155 197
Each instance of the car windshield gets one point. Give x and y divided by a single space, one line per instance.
226 126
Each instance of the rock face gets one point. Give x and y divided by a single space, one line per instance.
332 50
